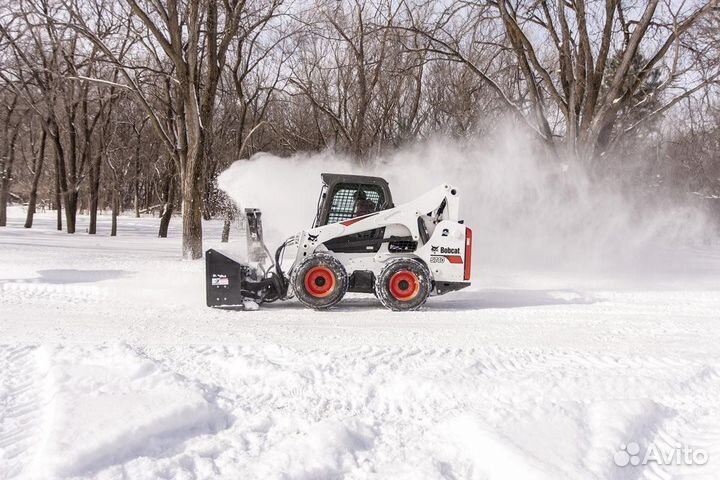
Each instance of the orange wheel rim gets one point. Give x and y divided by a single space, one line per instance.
320 281
404 285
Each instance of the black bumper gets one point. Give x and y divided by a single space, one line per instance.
442 288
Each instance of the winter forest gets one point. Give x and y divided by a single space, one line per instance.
136 106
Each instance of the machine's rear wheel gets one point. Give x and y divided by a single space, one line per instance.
403 284
320 281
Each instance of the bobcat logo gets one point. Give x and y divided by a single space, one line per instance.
433 249
312 238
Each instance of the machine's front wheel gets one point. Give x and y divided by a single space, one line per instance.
403 284
320 281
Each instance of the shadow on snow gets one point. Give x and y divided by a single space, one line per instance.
467 300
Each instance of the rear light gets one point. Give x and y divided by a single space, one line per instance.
468 253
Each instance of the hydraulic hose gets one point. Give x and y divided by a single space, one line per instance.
278 269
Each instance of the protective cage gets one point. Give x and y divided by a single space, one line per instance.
339 200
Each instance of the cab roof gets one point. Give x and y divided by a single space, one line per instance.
332 178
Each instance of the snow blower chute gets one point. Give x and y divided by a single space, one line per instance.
359 242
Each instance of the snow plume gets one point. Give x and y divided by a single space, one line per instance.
526 211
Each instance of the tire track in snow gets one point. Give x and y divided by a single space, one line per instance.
694 428
402 392
23 397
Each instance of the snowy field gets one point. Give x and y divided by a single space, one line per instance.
111 367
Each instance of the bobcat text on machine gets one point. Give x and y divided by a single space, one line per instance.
359 242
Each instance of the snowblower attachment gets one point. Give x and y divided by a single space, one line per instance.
233 284
224 280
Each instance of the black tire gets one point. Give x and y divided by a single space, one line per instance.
403 284
320 281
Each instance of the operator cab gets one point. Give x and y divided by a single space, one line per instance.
344 197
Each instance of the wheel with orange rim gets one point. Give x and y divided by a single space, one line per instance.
320 281
403 284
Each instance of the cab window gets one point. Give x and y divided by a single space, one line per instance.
352 200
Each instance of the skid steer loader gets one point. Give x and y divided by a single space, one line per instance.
359 242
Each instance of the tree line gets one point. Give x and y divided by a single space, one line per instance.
139 104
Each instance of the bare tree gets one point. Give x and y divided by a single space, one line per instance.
10 119
35 168
571 79
188 34
340 62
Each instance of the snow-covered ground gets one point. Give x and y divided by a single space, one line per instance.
111 367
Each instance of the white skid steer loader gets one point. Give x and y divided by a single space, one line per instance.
359 242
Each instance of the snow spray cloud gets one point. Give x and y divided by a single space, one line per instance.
526 211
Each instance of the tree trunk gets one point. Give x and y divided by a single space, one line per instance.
226 230
94 193
36 180
71 199
147 199
70 173
192 178
70 194
192 217
169 203
137 178
58 196
115 208
6 176
4 190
